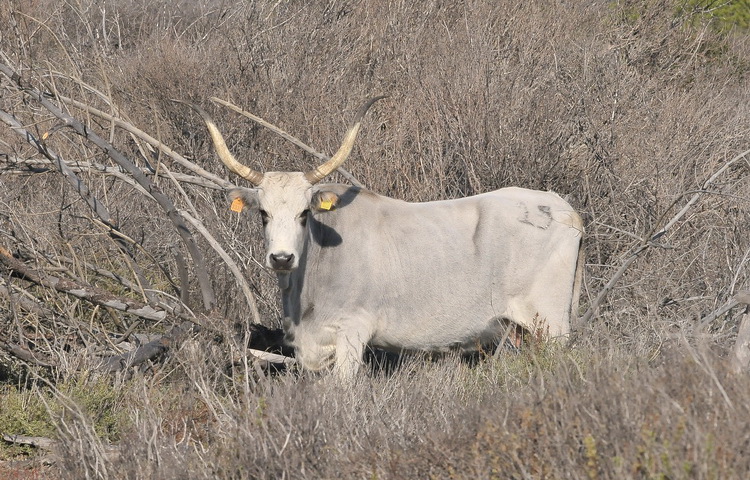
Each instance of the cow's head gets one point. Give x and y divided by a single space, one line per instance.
283 199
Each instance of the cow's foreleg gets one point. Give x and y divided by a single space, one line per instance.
350 345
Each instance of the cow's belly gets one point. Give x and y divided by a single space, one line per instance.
438 334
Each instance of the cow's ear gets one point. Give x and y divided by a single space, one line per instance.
324 201
243 198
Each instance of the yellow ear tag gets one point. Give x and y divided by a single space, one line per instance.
237 205
326 204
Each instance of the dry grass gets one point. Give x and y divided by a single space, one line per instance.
624 107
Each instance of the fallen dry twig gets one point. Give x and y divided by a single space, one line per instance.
89 293
24 354
39 442
148 351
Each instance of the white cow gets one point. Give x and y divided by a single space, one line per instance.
357 268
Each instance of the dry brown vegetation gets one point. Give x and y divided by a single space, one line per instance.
625 107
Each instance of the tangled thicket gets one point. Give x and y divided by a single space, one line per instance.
627 108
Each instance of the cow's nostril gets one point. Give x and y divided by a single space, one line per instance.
282 261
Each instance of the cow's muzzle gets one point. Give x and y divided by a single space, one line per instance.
281 261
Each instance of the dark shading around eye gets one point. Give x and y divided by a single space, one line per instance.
303 217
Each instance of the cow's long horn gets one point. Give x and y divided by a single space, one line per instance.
325 169
225 155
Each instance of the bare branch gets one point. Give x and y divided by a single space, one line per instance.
287 136
611 283
699 194
648 242
239 278
215 179
740 298
96 206
209 298
60 259
80 187
15 165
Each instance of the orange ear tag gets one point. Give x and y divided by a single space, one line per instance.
237 205
326 204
